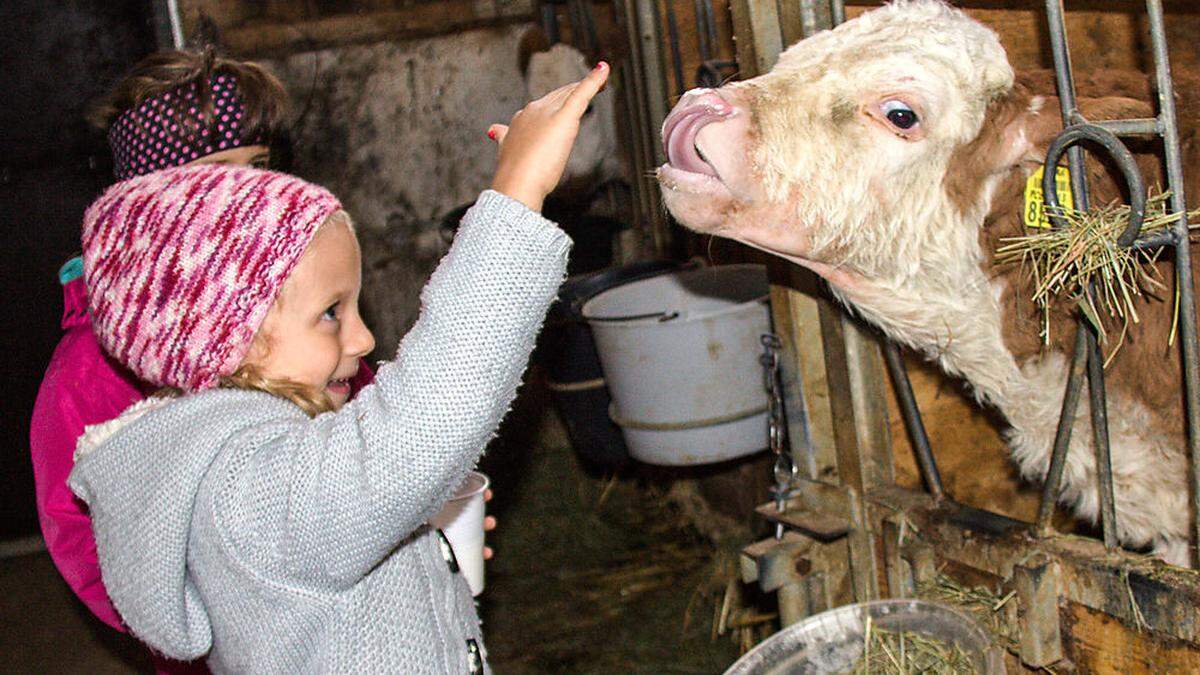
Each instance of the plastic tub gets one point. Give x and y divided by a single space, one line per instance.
832 641
680 354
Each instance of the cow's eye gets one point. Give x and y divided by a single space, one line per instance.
899 114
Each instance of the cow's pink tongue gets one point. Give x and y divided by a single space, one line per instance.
679 136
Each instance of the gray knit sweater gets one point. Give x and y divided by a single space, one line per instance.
231 525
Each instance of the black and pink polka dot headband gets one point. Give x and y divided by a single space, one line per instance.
171 129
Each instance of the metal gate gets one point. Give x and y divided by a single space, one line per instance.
853 537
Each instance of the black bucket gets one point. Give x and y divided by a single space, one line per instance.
568 354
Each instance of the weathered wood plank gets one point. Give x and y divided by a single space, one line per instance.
263 37
1100 644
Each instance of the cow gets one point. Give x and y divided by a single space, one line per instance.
889 156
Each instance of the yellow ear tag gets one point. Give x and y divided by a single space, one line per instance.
1035 203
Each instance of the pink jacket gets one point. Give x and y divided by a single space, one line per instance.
81 387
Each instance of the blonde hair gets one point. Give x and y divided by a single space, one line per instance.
312 401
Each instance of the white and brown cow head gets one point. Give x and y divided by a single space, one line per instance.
839 157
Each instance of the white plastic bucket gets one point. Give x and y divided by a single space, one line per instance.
680 355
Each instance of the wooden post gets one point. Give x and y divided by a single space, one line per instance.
820 339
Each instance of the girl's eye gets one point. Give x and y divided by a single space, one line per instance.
899 114
331 313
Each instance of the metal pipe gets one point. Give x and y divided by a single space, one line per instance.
1157 239
1099 409
655 86
676 53
1183 264
710 26
912 420
808 18
837 12
1121 157
1066 93
1062 438
703 44
550 23
1136 127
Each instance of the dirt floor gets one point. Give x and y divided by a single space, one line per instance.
592 574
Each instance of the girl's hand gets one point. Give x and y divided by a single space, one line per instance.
534 147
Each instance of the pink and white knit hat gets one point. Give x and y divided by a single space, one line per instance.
182 265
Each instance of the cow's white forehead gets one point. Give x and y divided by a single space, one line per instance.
911 38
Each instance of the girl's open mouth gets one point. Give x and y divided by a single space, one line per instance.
339 387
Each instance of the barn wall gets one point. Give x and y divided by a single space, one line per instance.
397 131
1101 34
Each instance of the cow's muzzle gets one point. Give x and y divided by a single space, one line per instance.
696 109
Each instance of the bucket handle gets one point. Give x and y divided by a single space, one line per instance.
661 316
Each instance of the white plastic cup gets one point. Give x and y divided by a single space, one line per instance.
461 520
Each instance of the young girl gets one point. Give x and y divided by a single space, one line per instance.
174 108
229 522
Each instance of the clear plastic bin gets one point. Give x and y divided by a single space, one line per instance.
832 641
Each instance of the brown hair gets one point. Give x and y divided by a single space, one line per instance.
264 100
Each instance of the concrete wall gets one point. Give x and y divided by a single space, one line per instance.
397 131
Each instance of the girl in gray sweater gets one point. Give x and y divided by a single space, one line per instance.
260 519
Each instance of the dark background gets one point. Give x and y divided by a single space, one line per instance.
56 58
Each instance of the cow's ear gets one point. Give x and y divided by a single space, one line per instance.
532 41
1016 128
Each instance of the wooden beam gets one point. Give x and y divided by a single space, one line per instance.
273 37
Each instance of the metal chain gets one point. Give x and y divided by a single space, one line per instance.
785 468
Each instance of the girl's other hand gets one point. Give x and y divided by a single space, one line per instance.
489 524
534 147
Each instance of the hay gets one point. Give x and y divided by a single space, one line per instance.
979 602
888 652
1066 261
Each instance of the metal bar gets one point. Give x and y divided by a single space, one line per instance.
1099 409
710 26
1136 127
1066 91
837 11
705 47
676 54
589 27
1157 239
550 23
168 28
652 70
1183 263
912 420
1118 153
633 87
808 17
1062 438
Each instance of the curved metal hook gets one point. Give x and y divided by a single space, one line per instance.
1125 162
